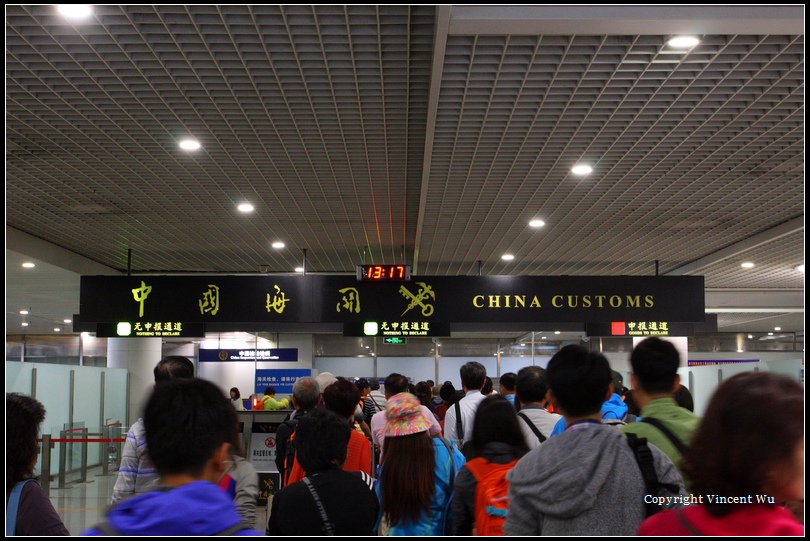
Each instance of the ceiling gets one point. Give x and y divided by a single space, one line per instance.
430 135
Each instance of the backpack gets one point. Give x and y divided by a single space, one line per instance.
646 463
466 448
540 437
491 495
676 441
13 507
289 450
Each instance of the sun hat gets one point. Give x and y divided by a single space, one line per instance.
325 379
404 417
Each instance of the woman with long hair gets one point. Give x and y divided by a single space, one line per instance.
498 443
29 510
418 472
746 458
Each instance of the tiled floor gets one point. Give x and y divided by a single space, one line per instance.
83 505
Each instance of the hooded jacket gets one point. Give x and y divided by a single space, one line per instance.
585 481
198 508
748 520
614 409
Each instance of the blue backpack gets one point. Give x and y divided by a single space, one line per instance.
14 507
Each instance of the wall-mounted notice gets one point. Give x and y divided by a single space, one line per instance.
263 452
281 380
268 484
230 355
712 362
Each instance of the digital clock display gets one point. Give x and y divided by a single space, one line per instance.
383 273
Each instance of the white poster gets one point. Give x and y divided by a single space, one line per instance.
263 452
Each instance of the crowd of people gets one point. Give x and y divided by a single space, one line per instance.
565 450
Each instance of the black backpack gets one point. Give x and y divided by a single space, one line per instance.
676 441
466 448
646 463
289 450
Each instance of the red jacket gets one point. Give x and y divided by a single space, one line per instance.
753 519
358 458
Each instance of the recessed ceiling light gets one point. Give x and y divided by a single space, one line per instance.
750 336
537 223
190 144
507 257
799 268
556 332
278 245
683 42
24 323
68 320
245 207
299 269
56 329
777 328
770 334
582 169
28 265
747 265
74 11
23 312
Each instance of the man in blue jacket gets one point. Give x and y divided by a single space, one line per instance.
189 423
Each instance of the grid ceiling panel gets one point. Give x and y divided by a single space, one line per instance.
50 294
775 266
688 149
761 323
316 115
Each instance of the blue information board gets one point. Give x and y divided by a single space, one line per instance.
281 380
248 354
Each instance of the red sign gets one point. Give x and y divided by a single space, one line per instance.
618 328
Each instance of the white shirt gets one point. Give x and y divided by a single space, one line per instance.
468 406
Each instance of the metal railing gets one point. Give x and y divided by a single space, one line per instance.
107 438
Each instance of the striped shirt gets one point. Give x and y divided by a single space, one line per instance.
137 473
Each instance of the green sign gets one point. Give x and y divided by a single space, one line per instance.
394 340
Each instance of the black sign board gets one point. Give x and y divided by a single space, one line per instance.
149 329
287 300
396 328
652 328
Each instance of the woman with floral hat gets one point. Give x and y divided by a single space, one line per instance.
418 472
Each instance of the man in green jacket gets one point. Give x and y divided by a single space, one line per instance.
270 402
655 380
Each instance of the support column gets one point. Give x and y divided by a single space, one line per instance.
139 357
